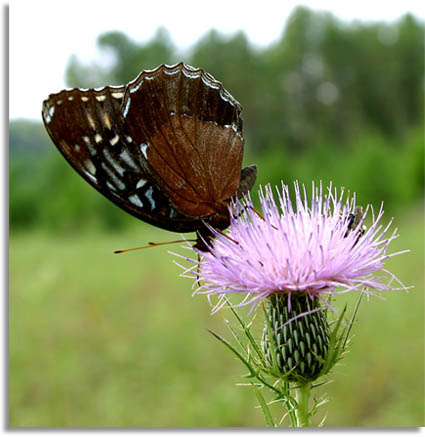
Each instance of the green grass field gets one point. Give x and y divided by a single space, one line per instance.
103 340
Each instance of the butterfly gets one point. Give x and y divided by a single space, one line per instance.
167 147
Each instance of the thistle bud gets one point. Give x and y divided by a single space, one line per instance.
299 348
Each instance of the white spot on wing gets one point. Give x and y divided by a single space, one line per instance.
128 159
117 95
141 183
90 167
92 150
84 98
106 120
114 140
98 138
90 176
127 106
77 147
148 194
144 148
100 98
110 186
113 177
134 89
113 162
70 98
134 199
91 121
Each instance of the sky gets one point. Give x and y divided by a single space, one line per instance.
44 33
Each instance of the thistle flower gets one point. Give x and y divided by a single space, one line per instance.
311 249
295 257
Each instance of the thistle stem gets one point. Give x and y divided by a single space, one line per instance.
302 396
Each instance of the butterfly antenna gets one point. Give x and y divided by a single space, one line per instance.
225 235
257 212
261 216
151 244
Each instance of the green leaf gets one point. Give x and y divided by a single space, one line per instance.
267 415
225 342
248 334
356 309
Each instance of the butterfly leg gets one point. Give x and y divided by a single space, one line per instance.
252 209
198 271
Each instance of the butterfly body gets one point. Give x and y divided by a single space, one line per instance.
167 147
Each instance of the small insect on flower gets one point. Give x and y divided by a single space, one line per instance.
354 219
317 248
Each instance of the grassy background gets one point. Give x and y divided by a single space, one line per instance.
98 339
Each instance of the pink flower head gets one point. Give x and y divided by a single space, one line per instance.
309 247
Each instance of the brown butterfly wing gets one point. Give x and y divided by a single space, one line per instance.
88 128
190 132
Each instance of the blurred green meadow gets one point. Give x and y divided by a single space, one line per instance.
104 340
98 339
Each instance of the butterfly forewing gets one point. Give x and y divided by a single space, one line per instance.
88 128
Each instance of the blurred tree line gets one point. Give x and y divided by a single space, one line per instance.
328 101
